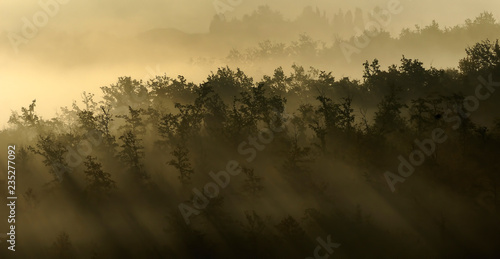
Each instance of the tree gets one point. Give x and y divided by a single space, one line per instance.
181 163
330 113
164 90
485 18
178 128
28 117
346 116
305 47
53 153
132 153
297 158
253 183
88 100
257 107
133 121
291 230
481 58
422 115
388 117
413 76
371 70
87 120
126 92
228 83
99 183
104 121
278 83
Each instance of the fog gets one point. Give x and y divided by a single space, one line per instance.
111 140
194 16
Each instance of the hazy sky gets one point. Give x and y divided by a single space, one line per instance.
195 15
26 78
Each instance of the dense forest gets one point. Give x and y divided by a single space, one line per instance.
242 168
349 43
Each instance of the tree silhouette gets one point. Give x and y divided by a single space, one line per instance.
99 183
481 58
181 163
132 154
53 153
388 118
28 117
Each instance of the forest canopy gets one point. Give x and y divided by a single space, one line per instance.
279 151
